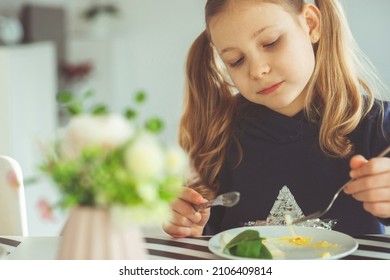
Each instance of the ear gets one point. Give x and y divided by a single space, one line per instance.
312 16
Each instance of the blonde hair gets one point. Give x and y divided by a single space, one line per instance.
208 112
338 96
341 89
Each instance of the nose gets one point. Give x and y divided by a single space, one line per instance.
258 69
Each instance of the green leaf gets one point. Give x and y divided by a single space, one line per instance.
265 253
248 249
75 109
65 97
130 114
154 125
88 94
249 234
140 97
248 244
100 109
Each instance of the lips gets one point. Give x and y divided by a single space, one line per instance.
270 89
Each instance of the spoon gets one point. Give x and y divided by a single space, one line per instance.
226 199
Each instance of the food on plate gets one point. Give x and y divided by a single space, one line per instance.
323 244
247 244
250 244
297 240
310 243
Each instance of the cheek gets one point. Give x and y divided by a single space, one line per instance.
299 62
239 79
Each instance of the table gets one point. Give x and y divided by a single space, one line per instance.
371 247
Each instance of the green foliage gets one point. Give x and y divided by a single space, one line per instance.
100 178
140 97
248 244
74 106
154 125
130 114
107 160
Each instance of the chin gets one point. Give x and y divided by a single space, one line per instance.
286 106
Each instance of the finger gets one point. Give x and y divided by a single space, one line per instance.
184 208
371 167
378 209
375 195
180 226
176 231
368 183
357 161
180 220
192 196
205 215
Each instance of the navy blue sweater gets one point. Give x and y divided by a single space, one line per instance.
280 150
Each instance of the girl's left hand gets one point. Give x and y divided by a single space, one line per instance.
371 184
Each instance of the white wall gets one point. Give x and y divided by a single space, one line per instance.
370 24
154 37
157 54
26 122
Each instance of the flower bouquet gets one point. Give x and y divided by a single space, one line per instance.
108 161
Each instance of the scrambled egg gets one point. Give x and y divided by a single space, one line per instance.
299 240
305 241
323 244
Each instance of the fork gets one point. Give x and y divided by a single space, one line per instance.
319 214
226 199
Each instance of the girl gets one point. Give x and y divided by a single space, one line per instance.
305 106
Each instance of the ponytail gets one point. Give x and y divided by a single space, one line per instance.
208 112
335 98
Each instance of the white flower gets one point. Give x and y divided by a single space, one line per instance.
106 131
145 157
176 161
101 200
145 214
147 191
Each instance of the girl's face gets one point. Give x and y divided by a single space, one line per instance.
267 51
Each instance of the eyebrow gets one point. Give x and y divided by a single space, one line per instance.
255 34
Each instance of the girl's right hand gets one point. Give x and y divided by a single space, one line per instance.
185 221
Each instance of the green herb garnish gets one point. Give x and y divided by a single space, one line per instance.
248 244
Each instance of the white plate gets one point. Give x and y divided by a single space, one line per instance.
3 252
341 244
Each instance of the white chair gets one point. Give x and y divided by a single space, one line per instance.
13 216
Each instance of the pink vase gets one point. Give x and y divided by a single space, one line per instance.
90 234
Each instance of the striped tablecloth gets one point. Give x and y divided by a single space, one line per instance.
371 247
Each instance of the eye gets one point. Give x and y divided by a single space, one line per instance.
238 62
272 44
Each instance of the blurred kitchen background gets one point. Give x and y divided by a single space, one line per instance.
114 48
